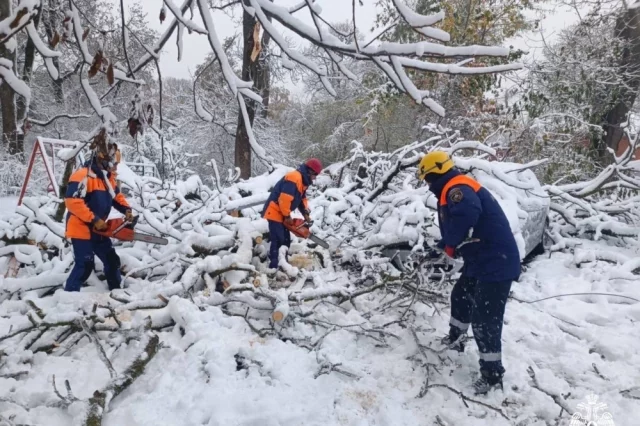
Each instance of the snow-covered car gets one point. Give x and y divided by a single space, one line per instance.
522 199
518 192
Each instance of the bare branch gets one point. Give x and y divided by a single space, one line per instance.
124 39
57 117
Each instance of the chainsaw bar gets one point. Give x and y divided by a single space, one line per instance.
151 239
319 241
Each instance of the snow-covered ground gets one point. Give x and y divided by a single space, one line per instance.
8 204
346 351
214 370
576 346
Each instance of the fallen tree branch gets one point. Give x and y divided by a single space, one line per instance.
100 399
556 397
466 398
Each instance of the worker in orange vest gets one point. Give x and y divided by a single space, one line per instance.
473 225
91 193
288 195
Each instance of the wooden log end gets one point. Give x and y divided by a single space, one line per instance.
277 316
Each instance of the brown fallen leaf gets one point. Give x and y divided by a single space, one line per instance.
133 127
85 34
54 40
110 76
95 65
16 21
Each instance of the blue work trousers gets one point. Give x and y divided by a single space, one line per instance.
83 252
481 305
279 236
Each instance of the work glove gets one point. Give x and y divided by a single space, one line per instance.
450 251
288 221
100 225
128 216
308 219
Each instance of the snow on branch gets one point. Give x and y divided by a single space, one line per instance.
39 45
587 207
422 23
235 84
84 48
7 75
186 22
22 15
46 53
392 58
105 114
397 61
212 276
164 38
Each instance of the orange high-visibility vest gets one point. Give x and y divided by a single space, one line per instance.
458 180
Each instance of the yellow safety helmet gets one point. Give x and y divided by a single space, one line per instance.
437 162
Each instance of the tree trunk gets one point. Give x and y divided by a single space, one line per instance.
258 71
50 24
263 77
7 96
62 208
27 73
628 30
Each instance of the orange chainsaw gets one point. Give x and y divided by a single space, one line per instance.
122 230
300 228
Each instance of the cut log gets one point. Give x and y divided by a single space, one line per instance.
12 268
280 312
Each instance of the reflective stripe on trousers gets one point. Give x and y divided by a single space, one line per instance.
482 304
491 357
463 326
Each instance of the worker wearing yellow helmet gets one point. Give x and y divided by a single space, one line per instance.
473 226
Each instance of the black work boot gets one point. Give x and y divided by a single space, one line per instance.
455 341
486 383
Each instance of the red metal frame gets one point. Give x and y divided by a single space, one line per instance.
38 146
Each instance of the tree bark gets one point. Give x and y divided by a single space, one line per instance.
97 403
50 24
7 96
628 30
259 72
62 208
263 77
27 73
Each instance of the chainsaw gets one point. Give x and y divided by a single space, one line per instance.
300 228
122 230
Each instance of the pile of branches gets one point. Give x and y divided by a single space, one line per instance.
217 259
606 206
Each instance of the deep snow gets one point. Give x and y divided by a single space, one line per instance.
8 204
194 380
348 363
